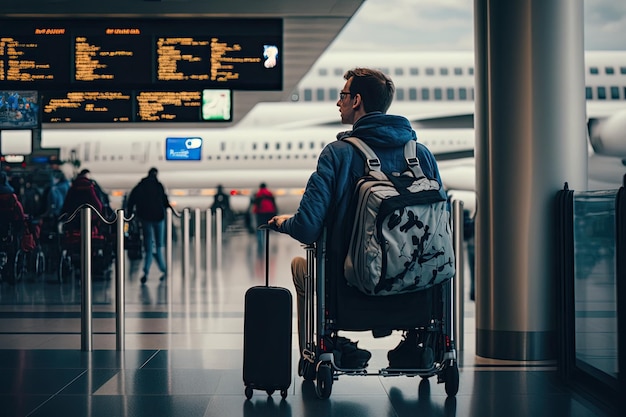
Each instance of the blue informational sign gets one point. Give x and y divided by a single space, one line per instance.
183 149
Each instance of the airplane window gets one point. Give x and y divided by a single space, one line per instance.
593 70
609 70
414 71
399 71
227 157
413 94
400 94
430 71
450 93
588 93
438 93
614 93
425 94
462 93
323 72
320 94
443 71
601 93
333 94
308 94
458 71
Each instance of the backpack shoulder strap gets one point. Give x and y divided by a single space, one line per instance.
371 159
411 159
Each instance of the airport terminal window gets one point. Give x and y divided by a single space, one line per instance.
594 70
472 91
320 94
614 93
323 72
609 70
333 94
308 94
462 93
312 145
588 93
425 94
278 146
450 93
254 146
385 70
601 93
414 71
430 71
438 94
266 146
400 94
399 71
339 71
470 70
458 71
622 70
413 94
443 71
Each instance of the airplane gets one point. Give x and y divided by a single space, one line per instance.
278 143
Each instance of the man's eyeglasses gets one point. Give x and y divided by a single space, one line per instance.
343 94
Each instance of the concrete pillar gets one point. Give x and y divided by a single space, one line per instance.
530 139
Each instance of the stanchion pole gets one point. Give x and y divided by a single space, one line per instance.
458 282
218 237
208 237
197 241
186 216
86 328
120 263
168 243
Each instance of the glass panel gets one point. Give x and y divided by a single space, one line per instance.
595 284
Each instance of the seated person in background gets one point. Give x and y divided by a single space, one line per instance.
11 210
221 200
82 191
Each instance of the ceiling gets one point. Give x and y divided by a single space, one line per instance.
309 27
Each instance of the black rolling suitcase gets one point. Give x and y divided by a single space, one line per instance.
267 336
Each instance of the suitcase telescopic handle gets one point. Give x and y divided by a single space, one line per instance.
267 229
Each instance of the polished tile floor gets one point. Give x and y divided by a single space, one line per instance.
183 354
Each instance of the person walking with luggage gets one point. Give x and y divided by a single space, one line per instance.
325 204
149 201
264 208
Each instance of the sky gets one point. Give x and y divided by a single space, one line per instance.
434 25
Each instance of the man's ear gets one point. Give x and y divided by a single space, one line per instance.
356 101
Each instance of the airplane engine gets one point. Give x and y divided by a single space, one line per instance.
608 136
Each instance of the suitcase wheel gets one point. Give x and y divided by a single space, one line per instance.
248 392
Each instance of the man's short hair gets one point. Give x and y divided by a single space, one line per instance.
375 87
83 172
153 171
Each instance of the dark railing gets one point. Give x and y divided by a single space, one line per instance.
592 280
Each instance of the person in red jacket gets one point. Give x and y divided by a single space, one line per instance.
264 208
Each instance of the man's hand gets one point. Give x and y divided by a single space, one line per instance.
278 221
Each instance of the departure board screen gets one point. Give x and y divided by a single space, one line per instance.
141 54
136 106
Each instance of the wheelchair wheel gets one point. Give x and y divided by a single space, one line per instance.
66 269
20 269
40 263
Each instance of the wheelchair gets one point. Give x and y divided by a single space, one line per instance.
102 254
31 263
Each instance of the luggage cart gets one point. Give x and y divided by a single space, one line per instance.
430 312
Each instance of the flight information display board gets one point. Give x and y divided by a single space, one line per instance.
213 105
141 54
